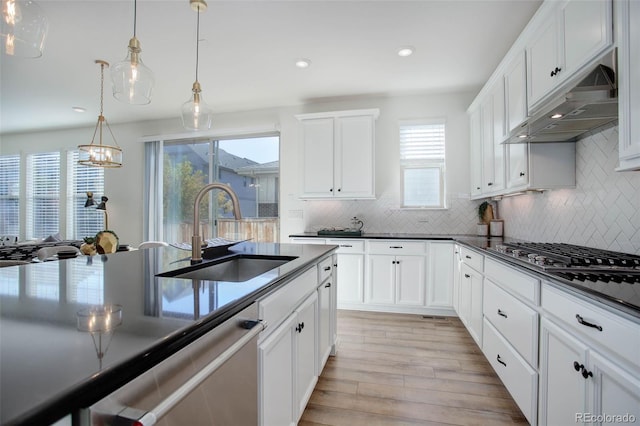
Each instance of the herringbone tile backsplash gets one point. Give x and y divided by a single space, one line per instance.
603 211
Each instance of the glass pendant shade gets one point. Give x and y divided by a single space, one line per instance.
132 80
24 29
196 114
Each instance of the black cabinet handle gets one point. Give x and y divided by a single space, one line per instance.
331 190
501 361
299 328
521 173
555 72
327 268
327 285
339 189
395 247
468 257
477 187
335 265
490 183
579 367
587 324
502 314
346 245
467 276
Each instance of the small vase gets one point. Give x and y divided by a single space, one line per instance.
496 227
482 229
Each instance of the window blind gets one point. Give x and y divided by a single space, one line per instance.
10 195
43 194
422 159
83 221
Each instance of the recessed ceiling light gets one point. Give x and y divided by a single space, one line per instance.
405 51
78 109
303 63
556 115
522 136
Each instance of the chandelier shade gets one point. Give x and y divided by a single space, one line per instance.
100 154
24 29
196 114
132 80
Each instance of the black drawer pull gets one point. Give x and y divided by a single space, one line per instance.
327 268
395 247
501 361
587 324
468 257
502 314
346 245
579 367
327 285
521 173
467 276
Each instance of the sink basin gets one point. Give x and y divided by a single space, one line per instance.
235 269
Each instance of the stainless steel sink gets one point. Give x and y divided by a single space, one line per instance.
235 269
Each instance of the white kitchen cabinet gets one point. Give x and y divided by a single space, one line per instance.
338 154
492 132
475 153
326 315
350 259
276 358
628 36
457 265
613 390
515 86
569 36
470 305
305 335
440 275
396 273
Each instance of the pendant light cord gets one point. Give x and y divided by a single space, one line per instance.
135 8
197 41
101 87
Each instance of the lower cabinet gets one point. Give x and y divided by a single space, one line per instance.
470 302
304 346
396 280
350 271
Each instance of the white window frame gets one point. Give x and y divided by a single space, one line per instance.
423 162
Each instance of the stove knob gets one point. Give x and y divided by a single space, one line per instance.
517 252
541 260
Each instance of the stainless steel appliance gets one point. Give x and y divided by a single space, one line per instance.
608 274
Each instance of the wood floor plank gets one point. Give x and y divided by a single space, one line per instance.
397 369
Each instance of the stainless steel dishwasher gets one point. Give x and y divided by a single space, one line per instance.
213 381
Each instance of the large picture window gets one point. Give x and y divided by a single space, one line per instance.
422 161
43 194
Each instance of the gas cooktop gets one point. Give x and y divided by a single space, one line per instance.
611 274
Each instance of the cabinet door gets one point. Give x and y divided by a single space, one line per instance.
410 280
562 387
381 279
492 114
275 355
440 271
486 119
457 278
543 57
515 83
318 136
306 350
587 31
464 307
350 272
324 323
614 391
476 317
354 174
517 165
475 153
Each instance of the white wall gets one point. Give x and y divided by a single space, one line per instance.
603 211
125 191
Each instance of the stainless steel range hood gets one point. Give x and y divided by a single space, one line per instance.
591 104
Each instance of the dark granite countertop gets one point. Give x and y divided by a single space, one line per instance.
49 368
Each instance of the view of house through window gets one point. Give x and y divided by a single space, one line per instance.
249 165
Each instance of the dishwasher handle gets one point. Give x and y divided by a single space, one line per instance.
152 416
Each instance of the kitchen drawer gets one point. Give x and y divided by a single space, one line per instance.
472 258
517 322
307 240
514 281
274 308
397 247
517 376
609 331
324 269
348 246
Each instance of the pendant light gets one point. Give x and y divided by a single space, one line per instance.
100 155
132 80
24 29
196 114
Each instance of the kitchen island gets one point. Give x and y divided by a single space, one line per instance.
49 367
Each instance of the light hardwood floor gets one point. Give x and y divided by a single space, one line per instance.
397 369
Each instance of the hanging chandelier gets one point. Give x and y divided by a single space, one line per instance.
23 29
101 155
196 114
132 80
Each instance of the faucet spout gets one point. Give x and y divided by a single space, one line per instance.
196 239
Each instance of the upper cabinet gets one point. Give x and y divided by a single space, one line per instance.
628 36
338 154
566 38
515 87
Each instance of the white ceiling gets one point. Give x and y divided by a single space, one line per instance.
247 54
